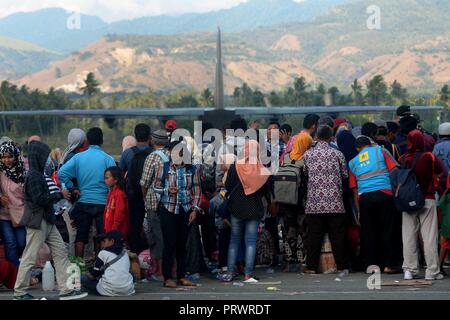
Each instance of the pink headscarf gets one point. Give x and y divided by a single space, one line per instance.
252 174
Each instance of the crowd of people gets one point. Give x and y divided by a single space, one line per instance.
221 215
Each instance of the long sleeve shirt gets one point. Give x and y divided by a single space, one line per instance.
117 215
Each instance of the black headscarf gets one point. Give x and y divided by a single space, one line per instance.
17 172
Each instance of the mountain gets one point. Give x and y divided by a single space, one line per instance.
412 46
18 58
246 16
48 27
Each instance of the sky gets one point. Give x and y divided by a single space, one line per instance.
112 10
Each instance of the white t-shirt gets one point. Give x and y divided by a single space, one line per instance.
117 279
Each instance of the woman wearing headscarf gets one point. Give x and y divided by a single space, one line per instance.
12 178
247 185
346 142
77 142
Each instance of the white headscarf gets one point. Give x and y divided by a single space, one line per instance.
75 139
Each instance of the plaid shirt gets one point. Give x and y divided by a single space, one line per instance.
189 191
151 166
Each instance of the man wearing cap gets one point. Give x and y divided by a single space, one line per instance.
442 148
152 223
170 126
110 275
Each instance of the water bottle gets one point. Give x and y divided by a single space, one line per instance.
48 277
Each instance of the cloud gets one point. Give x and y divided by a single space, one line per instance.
111 10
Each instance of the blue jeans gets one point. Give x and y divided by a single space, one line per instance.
14 240
247 229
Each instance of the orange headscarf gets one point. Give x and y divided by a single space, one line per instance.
252 174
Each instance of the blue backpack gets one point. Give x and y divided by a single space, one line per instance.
408 195
166 168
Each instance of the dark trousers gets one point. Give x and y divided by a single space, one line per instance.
380 230
224 244
89 284
320 224
175 234
209 235
136 239
271 225
292 233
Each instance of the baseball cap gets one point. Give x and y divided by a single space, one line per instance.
113 234
171 125
403 110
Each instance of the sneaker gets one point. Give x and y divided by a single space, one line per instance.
73 295
26 296
439 276
250 280
225 277
408 275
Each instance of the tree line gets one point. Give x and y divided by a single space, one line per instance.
376 91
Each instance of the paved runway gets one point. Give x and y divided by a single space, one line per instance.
288 286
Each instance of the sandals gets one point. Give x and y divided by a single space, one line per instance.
389 270
309 271
170 284
186 283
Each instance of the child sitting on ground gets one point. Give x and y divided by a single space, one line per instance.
111 273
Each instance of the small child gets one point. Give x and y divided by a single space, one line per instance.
111 273
117 214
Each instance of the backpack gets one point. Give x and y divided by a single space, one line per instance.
166 167
287 181
408 196
135 172
207 170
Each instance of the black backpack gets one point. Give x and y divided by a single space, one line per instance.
135 172
408 195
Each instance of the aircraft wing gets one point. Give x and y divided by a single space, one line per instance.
198 112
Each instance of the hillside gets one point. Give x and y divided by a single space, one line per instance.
19 57
413 47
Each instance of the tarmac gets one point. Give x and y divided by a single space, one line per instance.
283 286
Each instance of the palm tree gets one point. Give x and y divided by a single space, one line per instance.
91 85
206 98
357 92
300 87
377 91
